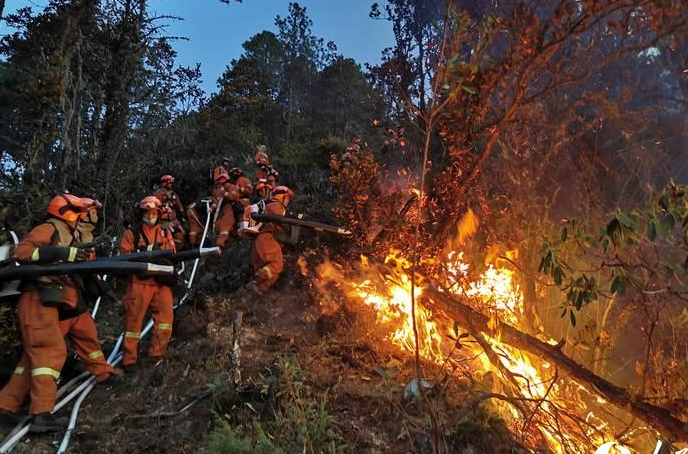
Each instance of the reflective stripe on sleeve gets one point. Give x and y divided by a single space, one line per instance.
96 354
72 254
45 371
268 271
132 335
164 326
35 256
19 370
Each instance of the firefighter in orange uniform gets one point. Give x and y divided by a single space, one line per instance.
169 198
38 310
273 177
146 294
222 168
79 326
245 190
262 162
266 254
225 194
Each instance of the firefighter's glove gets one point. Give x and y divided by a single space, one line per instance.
49 254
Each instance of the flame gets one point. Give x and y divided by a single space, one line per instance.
387 291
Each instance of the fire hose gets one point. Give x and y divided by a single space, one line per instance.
161 254
85 388
317 226
202 252
31 271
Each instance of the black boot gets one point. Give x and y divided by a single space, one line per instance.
130 368
47 422
7 418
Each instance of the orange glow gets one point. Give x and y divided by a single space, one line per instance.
495 292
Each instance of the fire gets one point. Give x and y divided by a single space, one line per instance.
548 402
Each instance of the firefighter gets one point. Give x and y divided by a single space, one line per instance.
266 254
234 174
245 190
225 195
248 227
38 309
78 325
169 198
146 294
224 167
273 177
262 190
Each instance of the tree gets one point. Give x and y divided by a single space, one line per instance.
304 54
416 24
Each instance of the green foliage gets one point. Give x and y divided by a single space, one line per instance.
633 251
303 420
226 439
300 423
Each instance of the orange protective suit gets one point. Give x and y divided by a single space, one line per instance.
195 226
81 330
224 195
170 199
43 342
146 295
266 254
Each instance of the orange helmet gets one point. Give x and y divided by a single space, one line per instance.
262 184
261 158
244 184
167 179
67 207
150 203
280 192
221 178
236 172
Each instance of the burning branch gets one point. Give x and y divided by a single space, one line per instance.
657 417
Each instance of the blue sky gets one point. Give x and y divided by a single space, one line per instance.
216 30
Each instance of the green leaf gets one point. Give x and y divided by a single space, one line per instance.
579 300
668 222
662 231
468 89
564 234
652 230
563 313
558 276
626 221
613 227
573 318
605 243
618 286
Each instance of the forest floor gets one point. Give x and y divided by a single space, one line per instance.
309 383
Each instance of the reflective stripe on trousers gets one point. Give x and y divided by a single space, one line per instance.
45 371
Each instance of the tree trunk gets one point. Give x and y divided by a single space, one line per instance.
127 54
657 417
